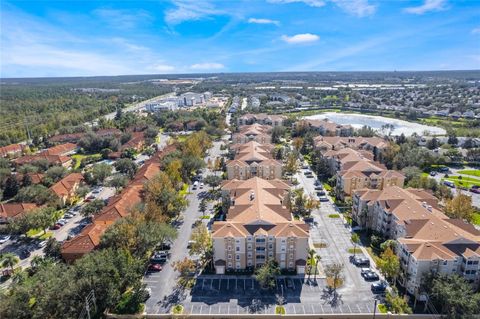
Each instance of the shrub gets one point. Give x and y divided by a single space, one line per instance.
334 216
279 310
177 309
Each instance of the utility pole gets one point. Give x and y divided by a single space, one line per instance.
29 137
375 308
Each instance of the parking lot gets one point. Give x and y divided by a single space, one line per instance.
242 294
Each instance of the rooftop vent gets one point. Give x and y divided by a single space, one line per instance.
252 195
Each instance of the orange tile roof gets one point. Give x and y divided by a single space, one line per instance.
54 159
12 210
12 148
60 149
65 185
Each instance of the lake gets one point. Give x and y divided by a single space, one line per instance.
376 122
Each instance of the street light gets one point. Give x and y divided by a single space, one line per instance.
375 308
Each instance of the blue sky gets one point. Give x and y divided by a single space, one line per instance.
69 38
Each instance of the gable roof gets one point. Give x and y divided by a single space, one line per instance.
65 185
13 210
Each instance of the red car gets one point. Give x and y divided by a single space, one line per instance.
89 199
154 267
56 226
475 190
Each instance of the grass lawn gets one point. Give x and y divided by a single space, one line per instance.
78 158
463 181
382 308
334 216
184 190
476 218
356 250
471 172
34 232
47 235
327 187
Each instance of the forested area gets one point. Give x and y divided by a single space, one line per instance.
45 106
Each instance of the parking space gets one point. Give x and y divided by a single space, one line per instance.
242 294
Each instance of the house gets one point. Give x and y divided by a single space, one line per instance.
65 189
325 127
261 118
136 143
427 240
10 211
61 160
254 132
253 159
36 178
118 207
12 150
61 149
258 227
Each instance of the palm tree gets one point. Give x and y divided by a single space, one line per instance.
317 259
10 260
310 260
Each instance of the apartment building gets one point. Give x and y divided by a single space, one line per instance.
64 161
253 159
254 132
356 169
324 127
374 145
61 149
11 211
258 227
261 118
428 241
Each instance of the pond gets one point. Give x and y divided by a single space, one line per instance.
376 122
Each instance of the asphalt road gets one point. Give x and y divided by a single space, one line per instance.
164 283
475 197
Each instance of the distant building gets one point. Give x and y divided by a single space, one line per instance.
261 118
255 132
325 127
61 160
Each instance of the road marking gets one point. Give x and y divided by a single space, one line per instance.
238 309
313 310
219 283
201 308
294 309
349 308
304 312
209 310
359 310
150 281
368 308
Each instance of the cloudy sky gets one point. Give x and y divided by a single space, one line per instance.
69 38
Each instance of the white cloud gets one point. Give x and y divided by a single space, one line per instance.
300 38
428 5
207 66
187 10
311 3
476 31
359 8
263 21
163 68
123 19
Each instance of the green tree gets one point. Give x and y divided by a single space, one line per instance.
213 181
55 173
92 208
11 187
44 217
452 296
460 207
265 275
118 181
396 303
201 241
53 249
98 173
126 166
35 194
9 260
389 264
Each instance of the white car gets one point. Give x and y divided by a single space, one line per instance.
4 239
61 222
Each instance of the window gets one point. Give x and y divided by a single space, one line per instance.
229 256
290 256
237 257
282 257
283 248
444 262
270 254
237 248
229 248
290 265
260 240
249 246
237 241
249 263
292 246
249 255
283 240
260 248
249 238
237 265
270 246
229 265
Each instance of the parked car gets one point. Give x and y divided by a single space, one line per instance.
42 244
361 261
4 239
154 267
62 221
89 198
379 287
321 193
449 184
56 226
475 190
323 199
371 275
443 169
190 243
159 257
433 173
201 185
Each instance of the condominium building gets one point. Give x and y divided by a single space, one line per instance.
324 127
355 169
254 132
372 144
258 227
253 159
427 240
261 118
66 188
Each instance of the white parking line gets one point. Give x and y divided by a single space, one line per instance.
359 310
368 308
304 312
209 310
294 310
201 308
313 309
349 308
219 283
211 284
